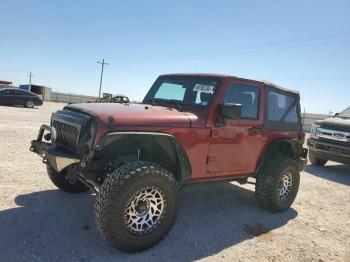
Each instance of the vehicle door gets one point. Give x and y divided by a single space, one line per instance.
20 97
235 145
6 98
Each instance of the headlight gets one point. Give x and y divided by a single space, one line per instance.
86 138
313 131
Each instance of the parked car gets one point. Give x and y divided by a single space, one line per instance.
14 96
330 140
120 99
190 128
116 99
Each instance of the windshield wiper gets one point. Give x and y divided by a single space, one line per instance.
153 102
178 105
167 102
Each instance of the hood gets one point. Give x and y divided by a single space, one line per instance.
336 121
137 115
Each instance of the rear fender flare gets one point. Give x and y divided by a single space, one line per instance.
289 147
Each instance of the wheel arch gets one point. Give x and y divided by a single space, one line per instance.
160 148
288 147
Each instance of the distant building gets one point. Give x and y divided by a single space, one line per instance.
44 91
5 84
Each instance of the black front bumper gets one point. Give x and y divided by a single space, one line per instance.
329 151
56 158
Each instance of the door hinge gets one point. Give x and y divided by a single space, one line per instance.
254 131
210 159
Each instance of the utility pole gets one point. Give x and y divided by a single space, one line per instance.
30 82
103 65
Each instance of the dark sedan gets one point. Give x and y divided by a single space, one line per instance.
12 96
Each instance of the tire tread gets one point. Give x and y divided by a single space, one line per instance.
114 188
264 191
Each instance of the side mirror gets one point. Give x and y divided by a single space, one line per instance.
336 114
231 111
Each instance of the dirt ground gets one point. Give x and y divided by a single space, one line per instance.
218 221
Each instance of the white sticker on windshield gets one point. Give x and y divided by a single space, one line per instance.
204 88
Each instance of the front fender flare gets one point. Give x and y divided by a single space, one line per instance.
166 141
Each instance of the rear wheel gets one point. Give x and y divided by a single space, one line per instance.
65 181
136 206
29 104
316 161
277 183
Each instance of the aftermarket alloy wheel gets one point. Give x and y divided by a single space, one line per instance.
144 210
285 186
136 206
277 183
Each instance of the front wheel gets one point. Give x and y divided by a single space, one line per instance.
277 183
65 181
136 206
316 161
29 104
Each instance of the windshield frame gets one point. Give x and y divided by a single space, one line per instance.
150 99
346 112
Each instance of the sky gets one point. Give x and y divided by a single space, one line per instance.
301 45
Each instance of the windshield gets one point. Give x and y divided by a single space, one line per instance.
345 113
183 91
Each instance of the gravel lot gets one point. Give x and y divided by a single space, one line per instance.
219 221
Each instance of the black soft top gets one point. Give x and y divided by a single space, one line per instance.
267 83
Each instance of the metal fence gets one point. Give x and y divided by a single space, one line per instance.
309 119
70 98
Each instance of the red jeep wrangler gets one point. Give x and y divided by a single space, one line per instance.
190 128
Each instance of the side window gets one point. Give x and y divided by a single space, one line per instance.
247 96
282 108
171 91
20 92
292 116
5 92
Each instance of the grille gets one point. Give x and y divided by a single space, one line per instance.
335 127
67 135
334 142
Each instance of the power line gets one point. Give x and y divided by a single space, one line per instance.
277 45
233 53
308 77
102 66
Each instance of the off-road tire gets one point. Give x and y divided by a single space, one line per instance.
316 161
29 104
60 181
118 190
268 181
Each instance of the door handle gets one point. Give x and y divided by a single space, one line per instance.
254 131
